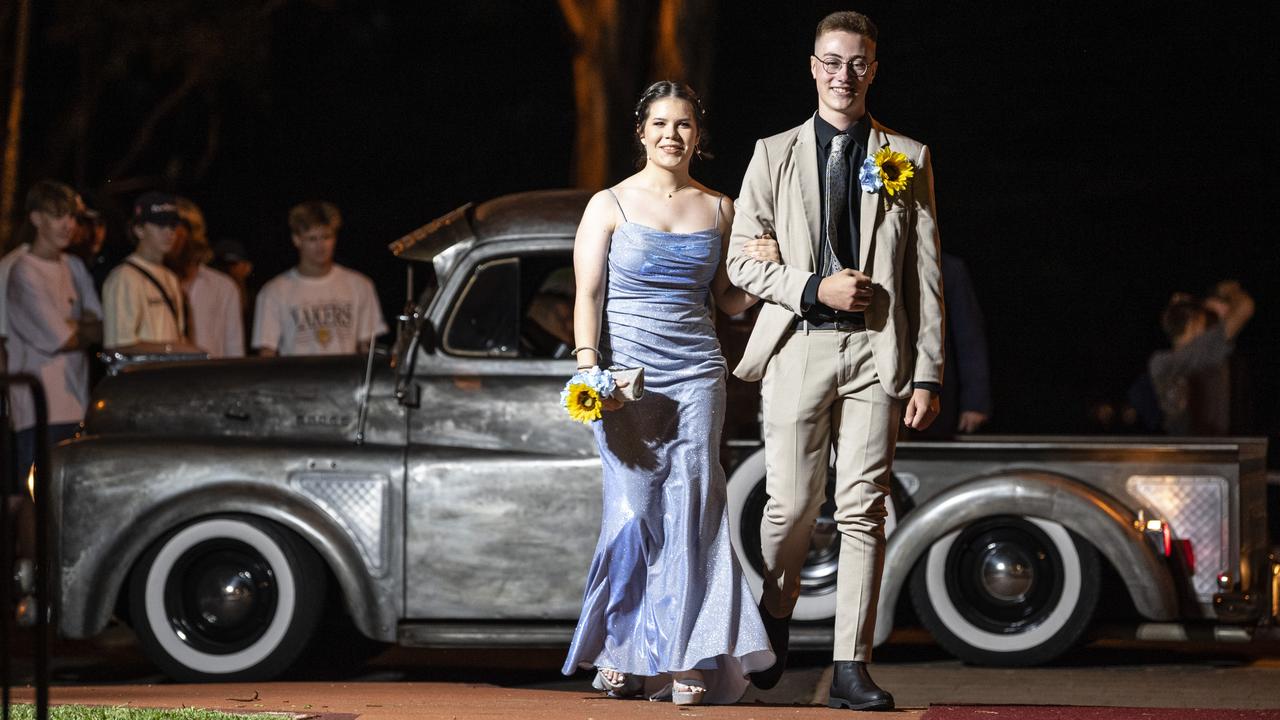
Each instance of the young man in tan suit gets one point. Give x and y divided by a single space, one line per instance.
850 336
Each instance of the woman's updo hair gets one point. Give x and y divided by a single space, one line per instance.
671 89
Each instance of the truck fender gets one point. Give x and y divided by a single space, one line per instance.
1093 515
373 616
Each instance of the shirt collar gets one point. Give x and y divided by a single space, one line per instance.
860 131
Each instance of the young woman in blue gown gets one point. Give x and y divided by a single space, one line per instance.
666 609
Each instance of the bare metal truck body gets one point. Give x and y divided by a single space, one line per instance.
436 494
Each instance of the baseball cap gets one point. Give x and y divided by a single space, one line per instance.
156 208
229 250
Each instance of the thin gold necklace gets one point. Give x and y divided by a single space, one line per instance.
673 192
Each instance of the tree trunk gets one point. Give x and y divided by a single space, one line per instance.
588 23
684 42
608 68
13 126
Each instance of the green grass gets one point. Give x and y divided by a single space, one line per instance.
117 712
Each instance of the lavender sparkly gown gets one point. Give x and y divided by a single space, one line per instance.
665 592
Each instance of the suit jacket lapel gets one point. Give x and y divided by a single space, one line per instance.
870 203
804 155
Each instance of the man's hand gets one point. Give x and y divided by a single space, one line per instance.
847 290
971 420
922 408
763 247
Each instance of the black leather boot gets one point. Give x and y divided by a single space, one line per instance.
779 632
853 688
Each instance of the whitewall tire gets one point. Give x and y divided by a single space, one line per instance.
1007 590
226 598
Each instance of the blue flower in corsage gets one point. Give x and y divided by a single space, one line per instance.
887 170
582 395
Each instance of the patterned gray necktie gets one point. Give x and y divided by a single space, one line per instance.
837 200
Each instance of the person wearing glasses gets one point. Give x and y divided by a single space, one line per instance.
849 342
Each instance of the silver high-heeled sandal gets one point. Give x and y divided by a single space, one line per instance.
688 688
630 685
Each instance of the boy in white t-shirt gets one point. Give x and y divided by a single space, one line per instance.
145 310
317 307
52 316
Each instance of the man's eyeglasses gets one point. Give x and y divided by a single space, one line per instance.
857 66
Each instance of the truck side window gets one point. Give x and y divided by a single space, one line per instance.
486 320
547 328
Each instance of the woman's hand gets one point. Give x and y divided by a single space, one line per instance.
610 403
763 247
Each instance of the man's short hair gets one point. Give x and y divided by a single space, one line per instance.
1178 314
312 213
850 22
53 197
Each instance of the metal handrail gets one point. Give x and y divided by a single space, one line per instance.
39 492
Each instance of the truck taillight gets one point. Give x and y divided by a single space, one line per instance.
1188 554
1157 531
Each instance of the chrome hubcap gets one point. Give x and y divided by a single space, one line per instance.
1006 572
225 596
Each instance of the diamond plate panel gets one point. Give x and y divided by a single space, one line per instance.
358 503
1196 508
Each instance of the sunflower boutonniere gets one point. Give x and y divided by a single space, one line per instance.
886 170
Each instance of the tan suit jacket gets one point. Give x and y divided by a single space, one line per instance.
899 248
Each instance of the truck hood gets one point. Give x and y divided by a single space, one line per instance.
310 398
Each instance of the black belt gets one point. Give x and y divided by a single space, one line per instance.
842 325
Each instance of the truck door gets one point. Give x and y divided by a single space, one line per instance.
503 491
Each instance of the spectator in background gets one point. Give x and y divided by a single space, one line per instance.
1191 380
145 309
6 267
317 307
230 257
52 317
88 244
547 330
216 314
966 392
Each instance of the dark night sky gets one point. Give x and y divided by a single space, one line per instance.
1090 158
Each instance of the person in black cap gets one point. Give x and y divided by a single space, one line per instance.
230 257
89 244
142 299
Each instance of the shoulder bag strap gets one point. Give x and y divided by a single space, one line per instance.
173 308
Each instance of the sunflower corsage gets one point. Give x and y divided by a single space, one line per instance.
583 394
886 170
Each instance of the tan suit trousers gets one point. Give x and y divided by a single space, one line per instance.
820 390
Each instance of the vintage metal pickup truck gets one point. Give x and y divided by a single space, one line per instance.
439 495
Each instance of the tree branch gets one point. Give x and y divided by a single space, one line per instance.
142 137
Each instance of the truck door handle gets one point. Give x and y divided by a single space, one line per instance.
236 412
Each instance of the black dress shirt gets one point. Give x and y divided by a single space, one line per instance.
847 230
